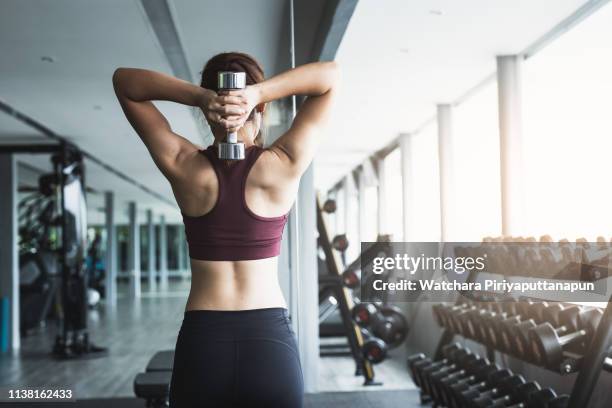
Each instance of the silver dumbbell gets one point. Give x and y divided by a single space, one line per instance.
231 149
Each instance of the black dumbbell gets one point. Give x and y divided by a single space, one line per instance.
415 365
500 393
413 359
330 206
518 335
351 279
464 397
444 314
449 352
479 368
340 242
509 310
560 402
390 325
524 311
438 385
500 390
548 343
541 398
373 348
478 379
362 313
519 395
429 377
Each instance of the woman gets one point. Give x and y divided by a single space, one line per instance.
235 346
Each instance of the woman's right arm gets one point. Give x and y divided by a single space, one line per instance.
137 88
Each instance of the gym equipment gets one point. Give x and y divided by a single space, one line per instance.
69 216
465 380
73 341
542 313
161 361
350 330
154 387
231 149
390 325
519 394
362 313
39 282
330 206
373 348
548 343
340 243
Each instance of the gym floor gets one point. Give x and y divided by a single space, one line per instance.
134 331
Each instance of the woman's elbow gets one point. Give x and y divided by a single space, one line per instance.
118 78
335 74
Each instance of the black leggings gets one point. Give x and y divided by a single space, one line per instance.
245 358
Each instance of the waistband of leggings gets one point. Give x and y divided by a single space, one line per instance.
236 315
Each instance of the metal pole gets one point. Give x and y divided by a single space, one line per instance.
593 362
445 160
511 135
110 290
134 251
151 250
9 255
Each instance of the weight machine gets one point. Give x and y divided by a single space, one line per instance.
68 178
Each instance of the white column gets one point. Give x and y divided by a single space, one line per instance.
347 191
163 253
151 250
511 135
111 250
9 256
361 199
180 240
381 209
306 289
407 186
445 161
134 250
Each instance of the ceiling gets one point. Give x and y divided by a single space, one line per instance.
399 58
73 96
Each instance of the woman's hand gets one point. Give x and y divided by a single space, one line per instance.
226 111
249 97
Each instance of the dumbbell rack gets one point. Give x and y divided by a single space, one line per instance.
345 303
461 378
588 367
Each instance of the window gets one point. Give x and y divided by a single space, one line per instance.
476 167
568 133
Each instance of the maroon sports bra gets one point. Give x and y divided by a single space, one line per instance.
231 231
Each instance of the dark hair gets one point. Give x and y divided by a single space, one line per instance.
235 62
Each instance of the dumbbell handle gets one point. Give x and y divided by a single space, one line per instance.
228 81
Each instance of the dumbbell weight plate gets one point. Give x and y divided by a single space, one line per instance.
390 325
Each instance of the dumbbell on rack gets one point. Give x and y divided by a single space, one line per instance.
464 380
419 361
548 343
478 368
516 337
373 348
